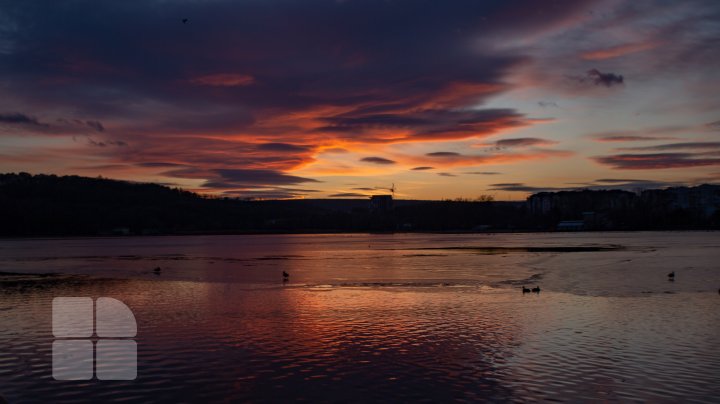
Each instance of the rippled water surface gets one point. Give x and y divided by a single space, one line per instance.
378 317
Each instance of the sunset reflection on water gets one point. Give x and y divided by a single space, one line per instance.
404 334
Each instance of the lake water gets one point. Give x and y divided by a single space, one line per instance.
403 317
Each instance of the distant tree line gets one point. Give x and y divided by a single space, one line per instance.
49 205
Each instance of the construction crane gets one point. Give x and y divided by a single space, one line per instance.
392 189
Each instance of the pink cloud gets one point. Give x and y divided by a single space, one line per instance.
620 50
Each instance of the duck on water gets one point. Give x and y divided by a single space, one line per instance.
536 289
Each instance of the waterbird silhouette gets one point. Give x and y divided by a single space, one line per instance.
671 276
185 20
525 290
536 289
157 270
286 276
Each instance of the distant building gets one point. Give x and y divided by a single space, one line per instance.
571 225
703 199
607 209
381 203
121 231
574 203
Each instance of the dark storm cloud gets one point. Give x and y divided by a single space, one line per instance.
377 160
422 168
275 55
282 50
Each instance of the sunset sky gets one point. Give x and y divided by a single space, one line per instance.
341 98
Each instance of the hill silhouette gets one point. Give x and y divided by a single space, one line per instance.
50 205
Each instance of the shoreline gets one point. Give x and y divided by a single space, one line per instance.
338 232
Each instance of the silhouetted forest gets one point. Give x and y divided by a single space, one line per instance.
49 205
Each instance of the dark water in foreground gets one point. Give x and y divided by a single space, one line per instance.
379 318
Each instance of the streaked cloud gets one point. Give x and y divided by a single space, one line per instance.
675 146
377 160
600 184
519 187
524 142
16 118
443 154
224 80
714 125
629 138
670 132
106 143
31 125
618 51
241 179
657 161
